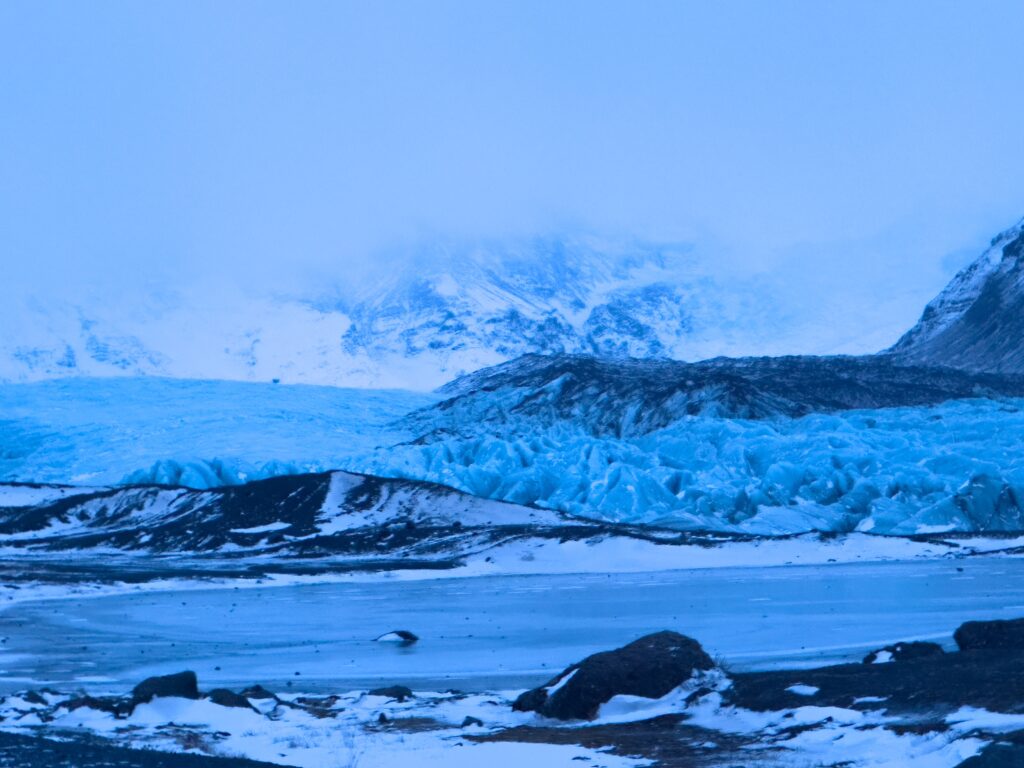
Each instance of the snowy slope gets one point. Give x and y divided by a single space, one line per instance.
307 514
977 322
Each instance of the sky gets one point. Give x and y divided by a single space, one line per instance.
856 144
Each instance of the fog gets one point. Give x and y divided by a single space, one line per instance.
862 146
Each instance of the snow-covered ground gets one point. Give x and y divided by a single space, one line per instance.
346 731
356 729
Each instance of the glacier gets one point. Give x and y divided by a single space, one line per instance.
950 467
955 466
198 434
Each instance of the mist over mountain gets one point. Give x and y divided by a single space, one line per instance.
420 316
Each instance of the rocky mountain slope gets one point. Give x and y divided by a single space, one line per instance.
977 322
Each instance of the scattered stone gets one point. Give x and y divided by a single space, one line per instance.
110 704
33 697
226 698
398 636
382 718
181 685
398 692
987 635
471 721
258 692
650 667
904 652
318 702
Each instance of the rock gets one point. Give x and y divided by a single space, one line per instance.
258 692
904 652
987 635
650 667
398 692
181 685
33 697
225 698
471 721
398 636
115 706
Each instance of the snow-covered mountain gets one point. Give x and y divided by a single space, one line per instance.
977 322
415 320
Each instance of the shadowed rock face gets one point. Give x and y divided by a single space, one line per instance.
182 685
651 667
990 635
977 322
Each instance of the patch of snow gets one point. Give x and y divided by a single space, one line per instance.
974 718
350 735
803 690
268 528
551 691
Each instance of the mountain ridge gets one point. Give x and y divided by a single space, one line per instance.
977 321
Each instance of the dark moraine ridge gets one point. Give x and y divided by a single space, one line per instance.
634 397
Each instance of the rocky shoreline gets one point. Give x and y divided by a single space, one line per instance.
661 701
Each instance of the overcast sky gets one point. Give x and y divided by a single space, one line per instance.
880 138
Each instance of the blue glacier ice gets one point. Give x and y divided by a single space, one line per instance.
185 432
957 466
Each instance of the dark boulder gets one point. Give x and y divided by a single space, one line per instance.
650 667
33 697
110 704
398 637
398 692
904 652
471 721
258 692
990 635
225 698
181 685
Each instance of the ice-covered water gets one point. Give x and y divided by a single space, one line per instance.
495 632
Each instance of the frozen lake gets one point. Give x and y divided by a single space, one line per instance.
494 632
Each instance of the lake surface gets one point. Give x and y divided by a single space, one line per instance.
494 632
